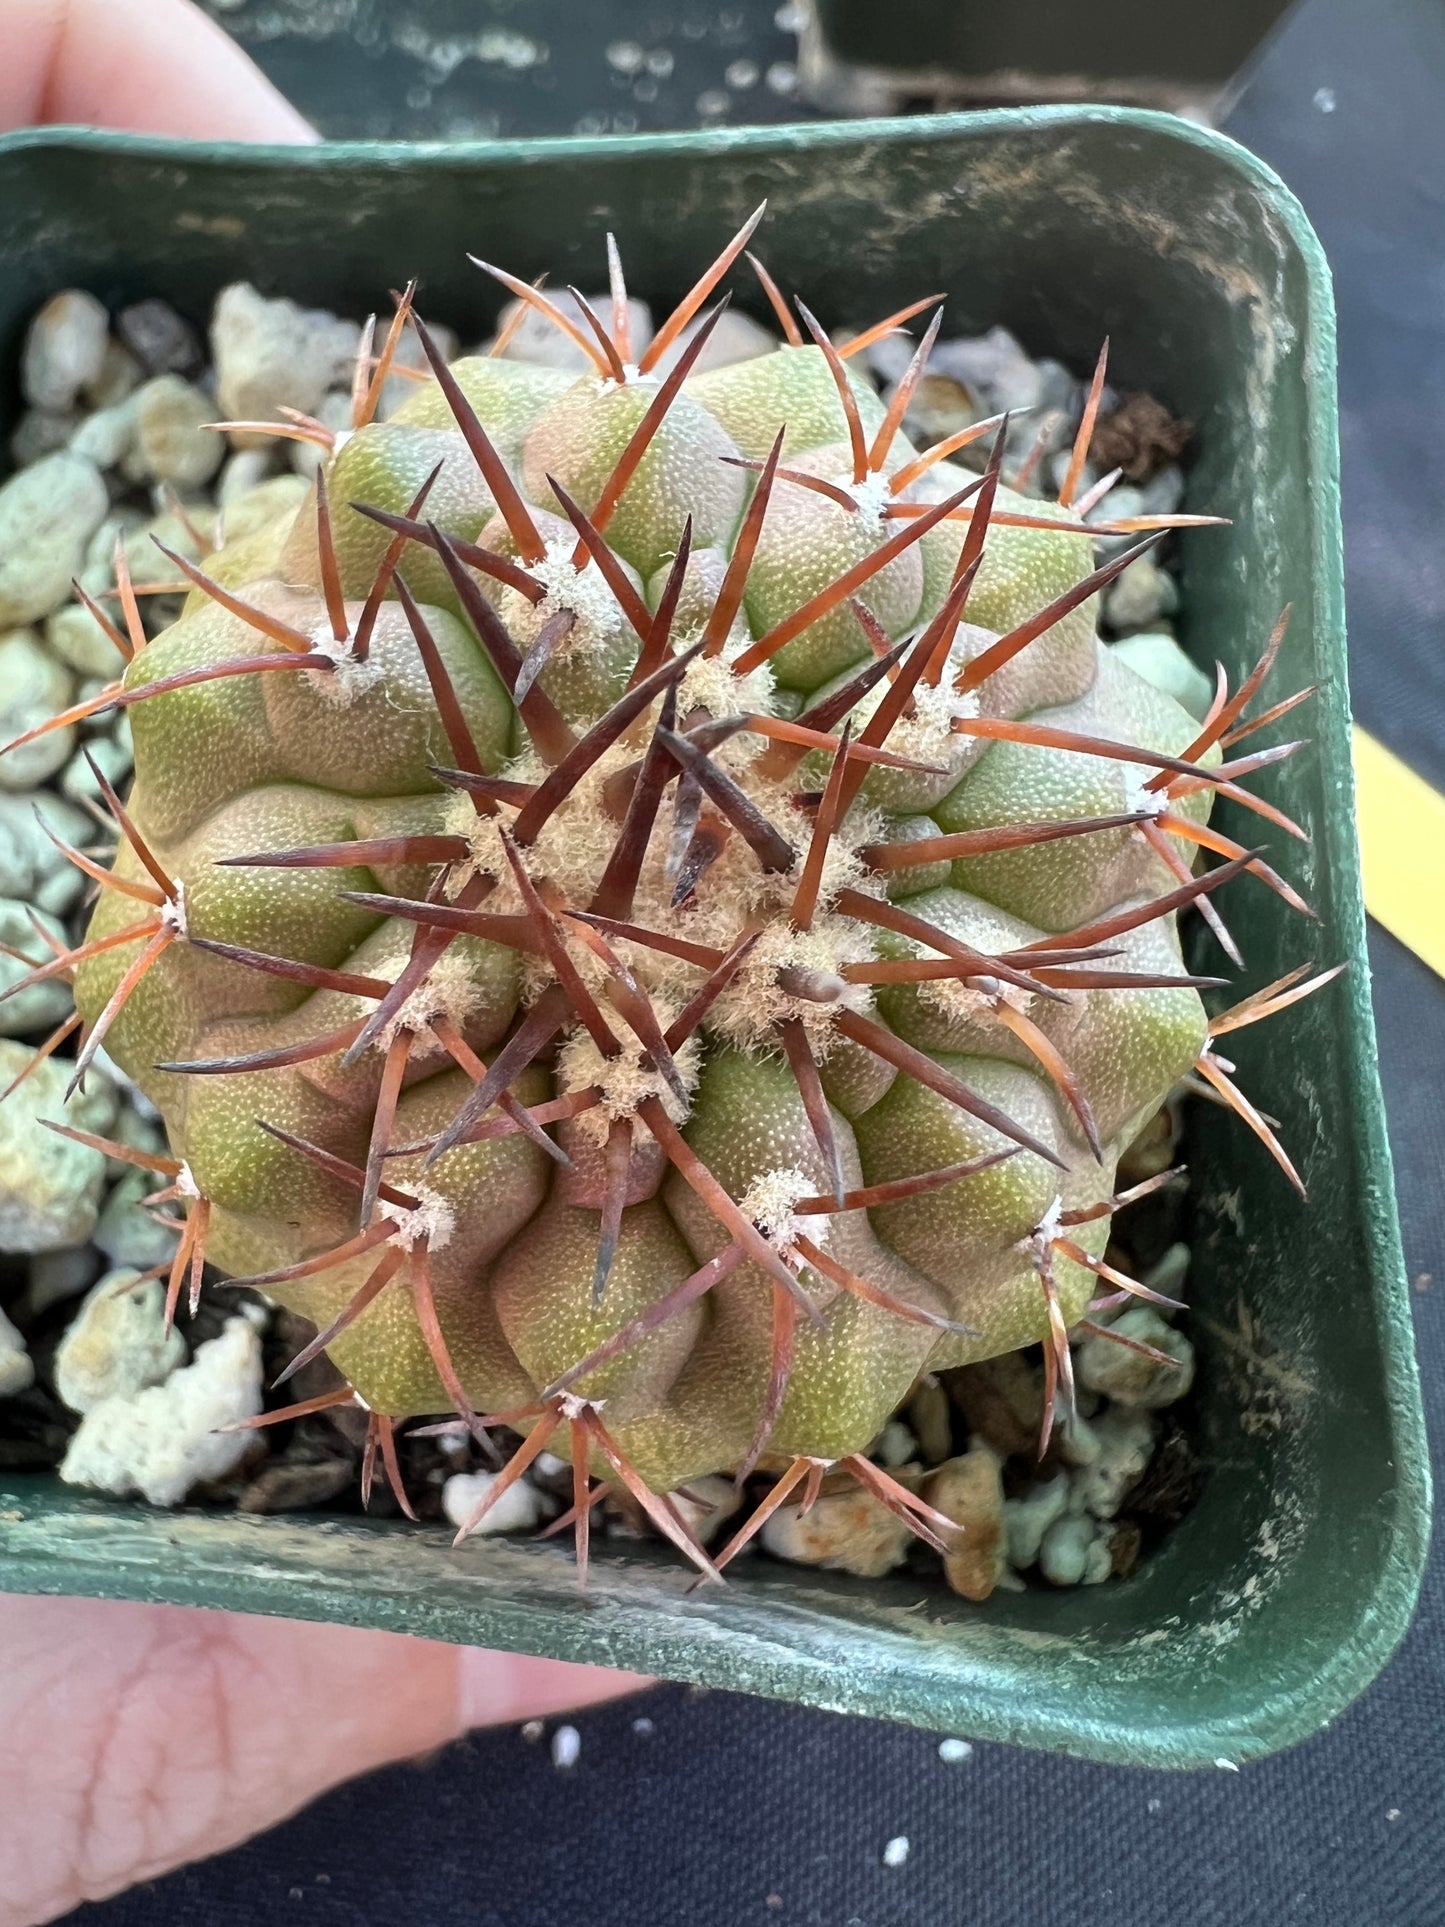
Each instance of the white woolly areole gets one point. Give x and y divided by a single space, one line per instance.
939 705
584 591
843 866
872 495
486 856
964 1000
430 1218
756 1000
737 889
448 990
1037 1243
571 851
732 893
173 910
574 846
626 1079
1136 797
771 1201
712 683
349 678
926 733
185 1183
968 999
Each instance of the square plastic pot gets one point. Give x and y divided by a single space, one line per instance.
1123 50
1283 1591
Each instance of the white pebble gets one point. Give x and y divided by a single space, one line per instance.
1229 1766
50 1187
128 1234
64 348
848 1531
120 375
734 337
643 1728
895 1445
896 1852
167 1439
39 1006
532 1731
333 411
1129 1377
107 436
518 1509
172 443
17 1374
1126 1445
118 1343
566 1745
243 471
41 431
952 1751
74 636
1140 596
706 1506
1029 1517
537 341
272 352
48 513
31 867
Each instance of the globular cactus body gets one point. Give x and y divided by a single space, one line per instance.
824 980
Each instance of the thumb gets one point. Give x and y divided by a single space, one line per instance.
136 1738
151 66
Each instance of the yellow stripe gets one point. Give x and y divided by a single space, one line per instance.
1402 848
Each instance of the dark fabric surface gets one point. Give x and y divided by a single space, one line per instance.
732 1811
476 69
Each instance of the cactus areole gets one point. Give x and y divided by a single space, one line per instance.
648 912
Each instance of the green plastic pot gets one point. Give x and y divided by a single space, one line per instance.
1284 1590
1133 50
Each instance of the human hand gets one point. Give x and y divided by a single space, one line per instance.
149 66
136 1738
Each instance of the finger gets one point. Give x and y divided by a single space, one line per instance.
150 66
495 1688
134 1738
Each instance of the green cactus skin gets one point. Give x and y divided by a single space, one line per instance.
471 1280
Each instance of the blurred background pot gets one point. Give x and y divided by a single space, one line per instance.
858 57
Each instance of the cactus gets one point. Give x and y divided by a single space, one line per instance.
649 913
